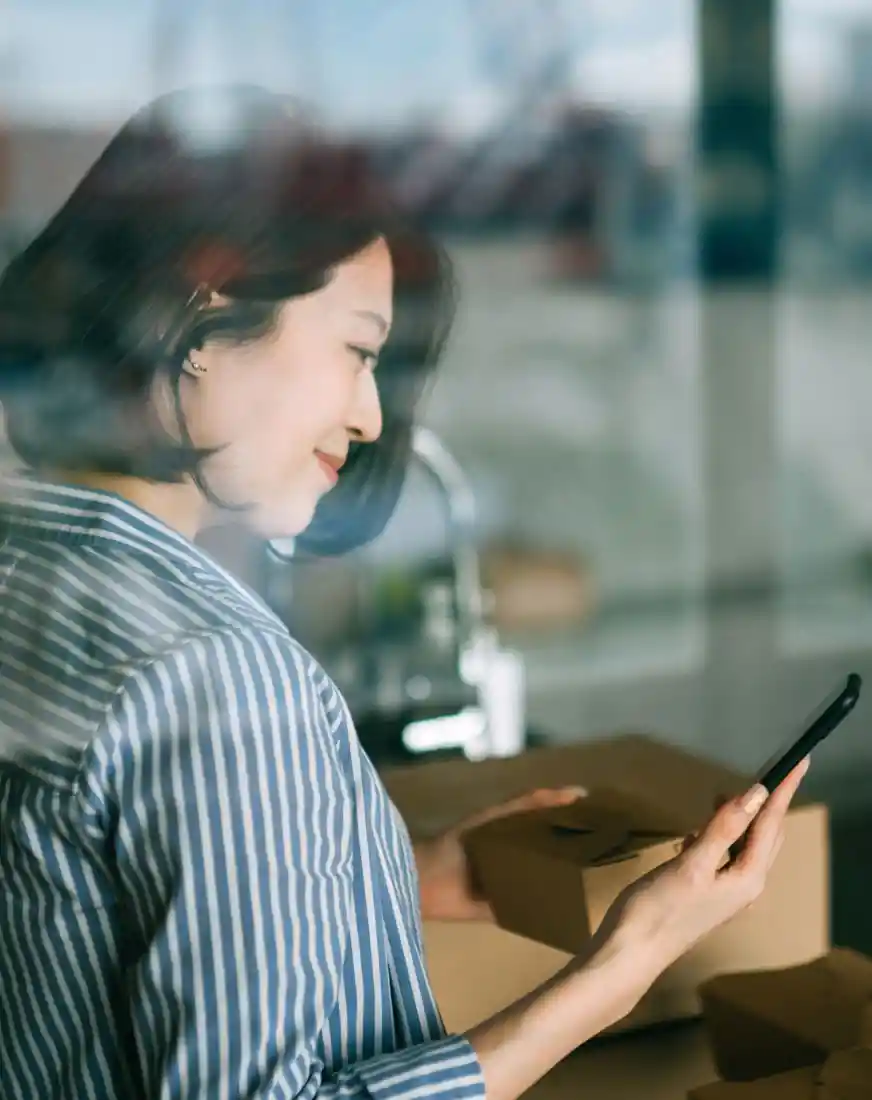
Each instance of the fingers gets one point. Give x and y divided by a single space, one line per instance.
688 842
541 798
727 826
766 832
733 820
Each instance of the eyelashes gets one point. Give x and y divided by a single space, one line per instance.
368 358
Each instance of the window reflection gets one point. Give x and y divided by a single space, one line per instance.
824 331
551 145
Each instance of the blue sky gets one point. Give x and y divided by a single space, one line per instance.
373 62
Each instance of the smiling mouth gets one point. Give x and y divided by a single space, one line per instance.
330 464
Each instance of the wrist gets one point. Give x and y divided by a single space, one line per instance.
630 966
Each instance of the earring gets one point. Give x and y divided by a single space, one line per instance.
197 368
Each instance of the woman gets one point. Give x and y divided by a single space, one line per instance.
206 891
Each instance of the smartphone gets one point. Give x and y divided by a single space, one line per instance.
828 717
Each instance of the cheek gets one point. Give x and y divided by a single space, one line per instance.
302 410
272 410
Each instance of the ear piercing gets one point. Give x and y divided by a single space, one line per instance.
197 368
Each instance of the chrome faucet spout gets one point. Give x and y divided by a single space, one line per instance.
432 454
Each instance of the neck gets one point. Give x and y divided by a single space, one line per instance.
179 506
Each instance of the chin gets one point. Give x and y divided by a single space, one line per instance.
284 519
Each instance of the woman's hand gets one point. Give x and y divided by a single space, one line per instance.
662 915
446 886
652 923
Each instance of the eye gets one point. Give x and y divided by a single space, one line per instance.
367 357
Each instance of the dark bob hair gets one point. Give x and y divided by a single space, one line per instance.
116 290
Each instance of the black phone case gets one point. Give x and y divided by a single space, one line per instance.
832 717
822 727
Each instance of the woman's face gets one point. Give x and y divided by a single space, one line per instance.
286 407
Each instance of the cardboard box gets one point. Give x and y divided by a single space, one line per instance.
774 1020
846 1075
477 969
579 857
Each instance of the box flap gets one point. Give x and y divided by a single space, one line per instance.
641 818
603 827
581 845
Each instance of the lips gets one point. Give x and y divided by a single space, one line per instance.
333 461
330 465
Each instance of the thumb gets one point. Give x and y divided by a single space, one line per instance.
729 824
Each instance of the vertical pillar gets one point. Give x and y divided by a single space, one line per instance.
737 165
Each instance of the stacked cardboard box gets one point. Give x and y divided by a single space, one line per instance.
796 1033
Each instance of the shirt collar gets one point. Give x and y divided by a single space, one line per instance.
77 516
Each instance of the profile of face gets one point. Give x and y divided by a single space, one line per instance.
285 408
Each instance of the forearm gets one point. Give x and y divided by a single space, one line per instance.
423 852
525 1041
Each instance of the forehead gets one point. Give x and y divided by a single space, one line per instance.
364 282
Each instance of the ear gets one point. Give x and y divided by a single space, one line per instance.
193 366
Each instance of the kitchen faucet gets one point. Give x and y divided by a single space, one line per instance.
493 724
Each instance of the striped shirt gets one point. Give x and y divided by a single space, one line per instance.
205 891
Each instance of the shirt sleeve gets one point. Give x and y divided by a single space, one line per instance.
232 845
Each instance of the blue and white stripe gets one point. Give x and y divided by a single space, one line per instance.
205 891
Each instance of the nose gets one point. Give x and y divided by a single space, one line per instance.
365 423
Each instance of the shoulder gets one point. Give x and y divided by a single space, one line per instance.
96 611
227 709
106 648
158 602
257 669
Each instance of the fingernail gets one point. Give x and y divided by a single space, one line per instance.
576 792
754 799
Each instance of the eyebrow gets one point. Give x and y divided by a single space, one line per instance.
371 315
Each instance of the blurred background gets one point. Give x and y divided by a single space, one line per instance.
658 394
